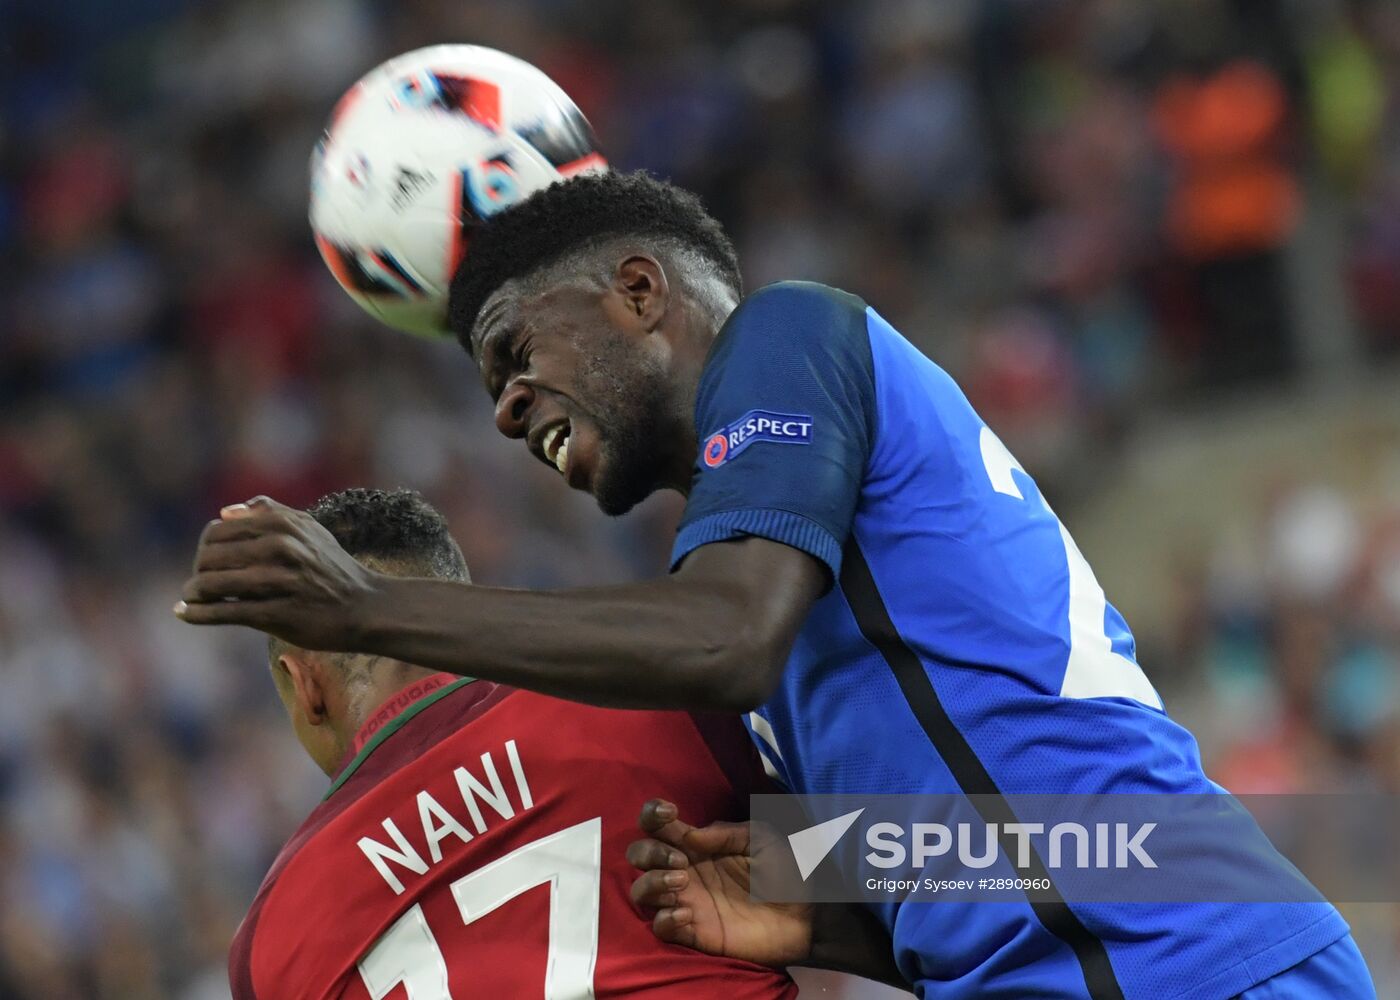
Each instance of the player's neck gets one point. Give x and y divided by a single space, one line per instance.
693 349
388 678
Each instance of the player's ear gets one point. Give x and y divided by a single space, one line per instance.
308 688
641 282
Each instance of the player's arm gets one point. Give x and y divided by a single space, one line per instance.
785 411
695 881
715 634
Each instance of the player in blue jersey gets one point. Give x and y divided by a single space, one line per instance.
862 568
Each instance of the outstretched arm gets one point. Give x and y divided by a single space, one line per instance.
713 635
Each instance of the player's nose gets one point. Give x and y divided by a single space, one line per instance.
513 409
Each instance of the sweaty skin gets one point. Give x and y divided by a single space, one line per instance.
713 635
616 365
617 360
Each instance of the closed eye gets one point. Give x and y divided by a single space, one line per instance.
505 355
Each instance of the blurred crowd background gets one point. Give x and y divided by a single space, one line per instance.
1158 242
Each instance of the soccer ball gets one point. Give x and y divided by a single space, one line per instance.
421 150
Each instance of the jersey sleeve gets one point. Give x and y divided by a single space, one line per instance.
785 416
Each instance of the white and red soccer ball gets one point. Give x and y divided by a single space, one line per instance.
417 154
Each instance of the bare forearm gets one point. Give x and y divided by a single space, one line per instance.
714 635
658 644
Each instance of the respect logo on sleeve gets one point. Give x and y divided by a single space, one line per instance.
755 426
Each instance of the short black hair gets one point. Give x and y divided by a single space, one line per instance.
571 214
396 529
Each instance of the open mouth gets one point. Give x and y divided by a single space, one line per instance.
555 446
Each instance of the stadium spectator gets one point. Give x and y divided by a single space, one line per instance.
1023 181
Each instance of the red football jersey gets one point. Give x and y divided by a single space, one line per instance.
474 847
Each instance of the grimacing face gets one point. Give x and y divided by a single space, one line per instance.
576 375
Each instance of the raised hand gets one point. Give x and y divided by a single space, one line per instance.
273 568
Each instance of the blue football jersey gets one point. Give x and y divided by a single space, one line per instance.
964 646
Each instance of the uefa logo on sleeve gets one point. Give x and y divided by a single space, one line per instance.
715 450
752 428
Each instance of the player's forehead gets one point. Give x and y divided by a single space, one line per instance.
498 313
519 304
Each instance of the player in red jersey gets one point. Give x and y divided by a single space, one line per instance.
473 840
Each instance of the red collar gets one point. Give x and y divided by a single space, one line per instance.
395 705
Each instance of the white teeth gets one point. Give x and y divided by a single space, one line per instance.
556 446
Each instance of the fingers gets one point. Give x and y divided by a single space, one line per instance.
244 584
660 819
716 839
249 508
654 854
675 925
241 566
219 534
251 519
242 521
254 614
656 813
659 886
264 550
659 889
